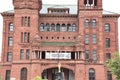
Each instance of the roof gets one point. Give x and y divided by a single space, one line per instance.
72 9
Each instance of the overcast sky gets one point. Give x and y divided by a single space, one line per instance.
109 5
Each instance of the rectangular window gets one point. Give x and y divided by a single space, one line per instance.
21 54
27 54
26 37
7 75
86 39
25 21
11 27
108 56
10 41
94 55
87 53
94 38
109 75
107 42
9 57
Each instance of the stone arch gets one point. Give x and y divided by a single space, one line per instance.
69 66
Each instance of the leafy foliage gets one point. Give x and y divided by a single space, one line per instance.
38 78
114 66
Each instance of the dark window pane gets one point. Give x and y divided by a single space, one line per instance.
91 74
107 42
8 72
9 56
11 27
86 39
58 27
87 53
53 27
86 23
47 27
41 27
23 74
10 41
107 27
108 56
109 75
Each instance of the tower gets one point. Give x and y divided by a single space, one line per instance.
90 18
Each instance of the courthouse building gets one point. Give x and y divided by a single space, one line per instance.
42 39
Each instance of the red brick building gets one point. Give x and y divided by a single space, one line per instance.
37 37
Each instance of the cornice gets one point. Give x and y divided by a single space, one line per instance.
58 15
110 15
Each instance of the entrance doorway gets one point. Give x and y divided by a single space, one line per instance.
52 73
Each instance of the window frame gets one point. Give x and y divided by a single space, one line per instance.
21 54
23 74
9 57
10 41
107 27
87 40
11 27
91 74
87 23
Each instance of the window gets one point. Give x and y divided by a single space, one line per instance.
87 53
10 41
94 38
90 2
47 27
58 27
69 27
86 23
107 27
108 56
27 54
21 54
23 74
86 39
52 27
9 57
109 75
63 27
26 21
94 55
91 74
41 27
74 27
8 72
94 23
26 37
107 42
11 27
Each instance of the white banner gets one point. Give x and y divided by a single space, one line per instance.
58 55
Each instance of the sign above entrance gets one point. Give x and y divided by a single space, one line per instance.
58 55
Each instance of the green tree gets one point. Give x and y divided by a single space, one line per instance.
114 65
38 78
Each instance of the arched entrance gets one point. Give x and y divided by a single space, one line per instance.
52 73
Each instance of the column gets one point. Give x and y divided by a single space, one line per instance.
87 3
38 54
75 55
82 55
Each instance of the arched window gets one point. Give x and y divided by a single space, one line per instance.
91 74
107 27
41 27
69 27
90 2
86 23
52 27
74 27
11 27
94 23
58 27
63 27
23 74
47 27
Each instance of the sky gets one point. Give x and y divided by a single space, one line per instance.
109 5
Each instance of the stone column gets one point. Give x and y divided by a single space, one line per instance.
82 55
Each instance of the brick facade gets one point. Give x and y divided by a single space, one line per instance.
27 35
